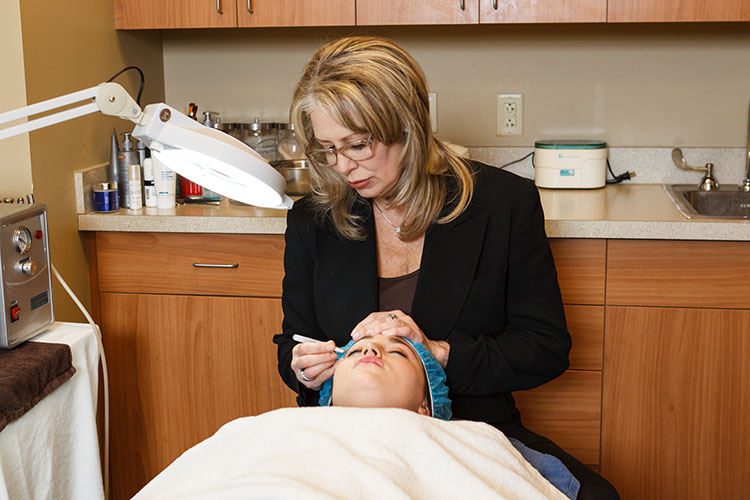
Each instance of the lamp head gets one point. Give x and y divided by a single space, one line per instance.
201 154
211 158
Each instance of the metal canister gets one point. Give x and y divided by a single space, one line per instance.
105 198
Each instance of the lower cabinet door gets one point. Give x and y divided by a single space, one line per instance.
566 410
676 403
180 367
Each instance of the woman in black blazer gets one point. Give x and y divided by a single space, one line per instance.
403 237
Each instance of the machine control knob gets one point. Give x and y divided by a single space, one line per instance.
29 267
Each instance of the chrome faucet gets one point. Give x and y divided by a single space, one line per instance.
708 182
745 186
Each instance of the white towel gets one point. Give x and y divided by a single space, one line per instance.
351 453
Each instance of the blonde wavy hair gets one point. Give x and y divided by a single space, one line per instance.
372 86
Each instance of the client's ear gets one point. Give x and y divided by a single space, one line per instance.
424 408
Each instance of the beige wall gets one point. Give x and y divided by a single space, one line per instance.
15 161
632 85
69 46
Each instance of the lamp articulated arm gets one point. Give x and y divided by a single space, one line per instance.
202 154
108 98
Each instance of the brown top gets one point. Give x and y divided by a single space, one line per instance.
398 292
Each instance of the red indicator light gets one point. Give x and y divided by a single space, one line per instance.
39 234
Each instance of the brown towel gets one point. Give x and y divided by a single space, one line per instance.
28 373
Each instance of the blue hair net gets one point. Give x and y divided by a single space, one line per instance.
440 403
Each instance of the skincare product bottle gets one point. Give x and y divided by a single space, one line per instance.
128 156
165 181
134 185
114 151
148 183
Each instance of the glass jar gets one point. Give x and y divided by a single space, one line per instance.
289 148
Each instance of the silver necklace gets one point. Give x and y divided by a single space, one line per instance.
394 226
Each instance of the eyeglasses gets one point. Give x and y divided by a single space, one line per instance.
357 151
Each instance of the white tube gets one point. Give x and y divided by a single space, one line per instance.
165 182
134 186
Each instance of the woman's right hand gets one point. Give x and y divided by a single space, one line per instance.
313 363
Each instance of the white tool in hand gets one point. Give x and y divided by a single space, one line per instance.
302 338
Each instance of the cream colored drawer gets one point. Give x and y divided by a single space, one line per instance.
173 263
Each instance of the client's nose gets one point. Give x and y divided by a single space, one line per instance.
371 350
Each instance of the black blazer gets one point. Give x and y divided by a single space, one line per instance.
487 284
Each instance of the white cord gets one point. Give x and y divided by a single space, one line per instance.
104 372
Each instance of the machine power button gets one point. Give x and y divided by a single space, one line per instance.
15 313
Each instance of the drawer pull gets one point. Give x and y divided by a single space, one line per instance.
218 7
463 4
221 266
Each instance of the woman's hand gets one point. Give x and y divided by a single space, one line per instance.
398 323
313 363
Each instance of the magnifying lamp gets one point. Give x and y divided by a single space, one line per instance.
204 155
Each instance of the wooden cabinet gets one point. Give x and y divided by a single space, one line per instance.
258 13
639 11
677 403
567 410
188 348
146 14
384 12
542 11
676 397
656 397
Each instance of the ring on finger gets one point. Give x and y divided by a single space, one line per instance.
303 376
392 316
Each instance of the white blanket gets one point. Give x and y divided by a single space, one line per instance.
351 453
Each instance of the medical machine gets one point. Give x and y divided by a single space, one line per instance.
25 280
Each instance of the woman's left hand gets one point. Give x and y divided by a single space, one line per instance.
398 323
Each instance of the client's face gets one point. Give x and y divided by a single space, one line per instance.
381 371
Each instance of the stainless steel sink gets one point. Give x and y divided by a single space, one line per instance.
725 203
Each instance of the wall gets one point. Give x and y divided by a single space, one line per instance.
632 85
15 160
69 46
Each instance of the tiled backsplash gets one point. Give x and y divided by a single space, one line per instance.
651 165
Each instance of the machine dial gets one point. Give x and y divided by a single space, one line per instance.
22 239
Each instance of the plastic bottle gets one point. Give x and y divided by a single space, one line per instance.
134 185
149 189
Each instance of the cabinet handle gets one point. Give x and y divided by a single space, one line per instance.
494 4
221 266
463 4
218 7
250 6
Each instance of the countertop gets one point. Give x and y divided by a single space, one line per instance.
634 211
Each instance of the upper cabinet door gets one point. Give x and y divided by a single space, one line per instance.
257 13
381 12
543 11
150 14
628 11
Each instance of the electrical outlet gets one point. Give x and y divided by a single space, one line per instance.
509 114
433 111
